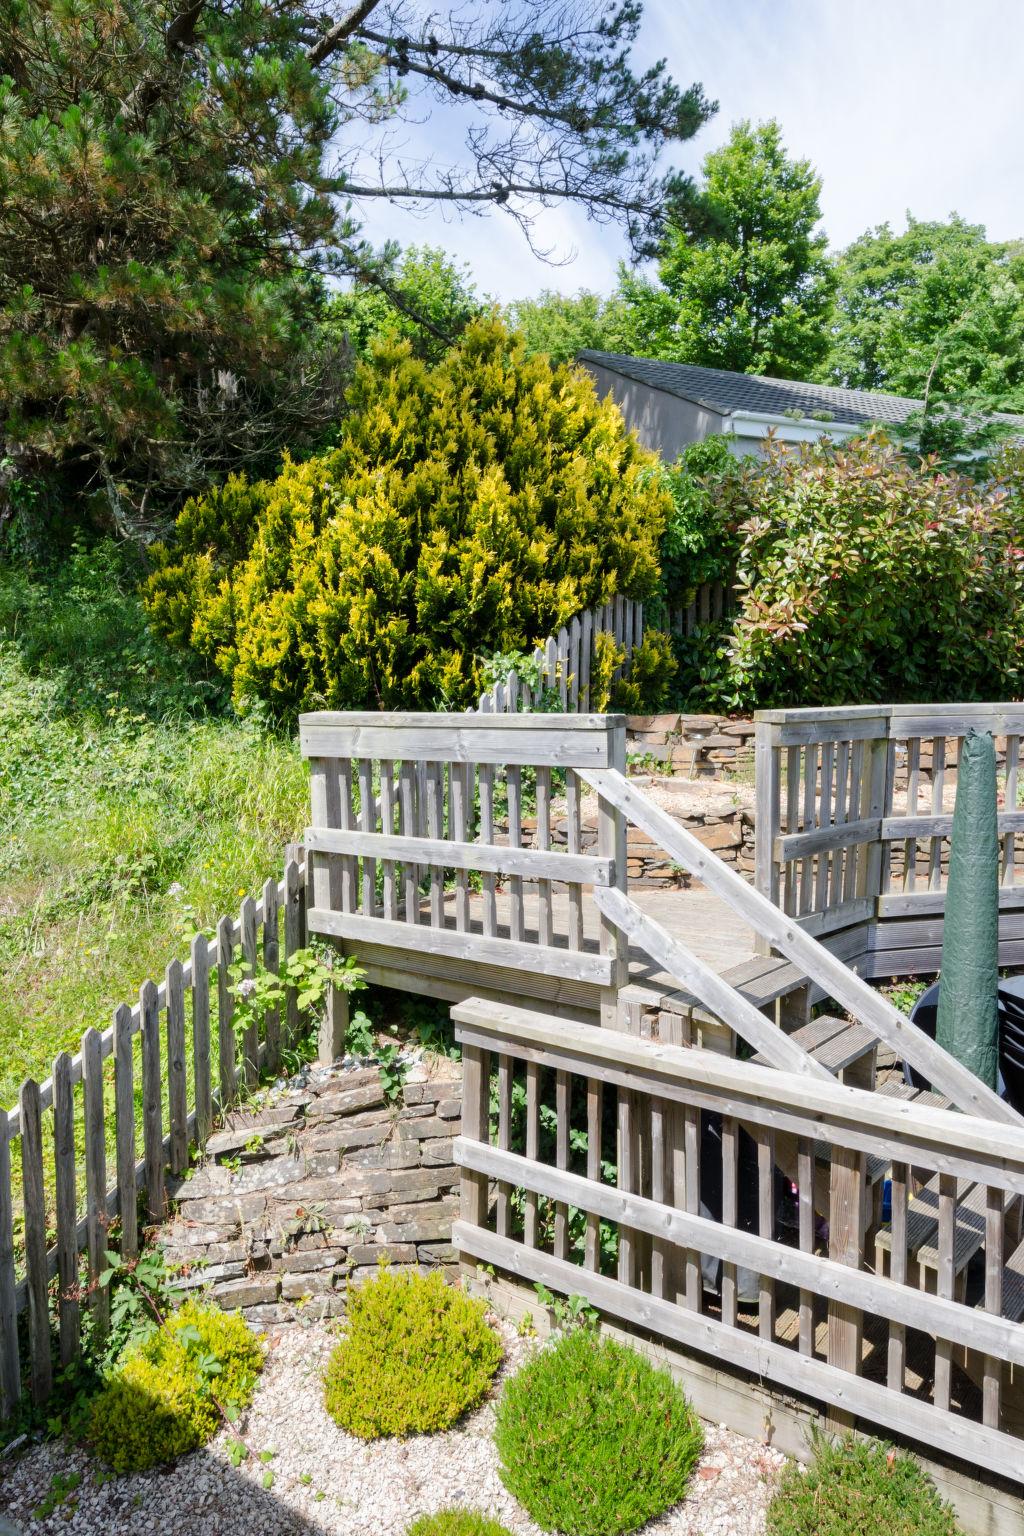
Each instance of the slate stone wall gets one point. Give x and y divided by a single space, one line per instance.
316 1185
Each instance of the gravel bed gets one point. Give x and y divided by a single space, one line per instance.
325 1481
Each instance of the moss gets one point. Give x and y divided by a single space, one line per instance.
417 1354
159 1403
457 1522
593 1439
858 1488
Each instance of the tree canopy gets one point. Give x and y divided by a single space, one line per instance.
179 177
936 311
745 282
427 300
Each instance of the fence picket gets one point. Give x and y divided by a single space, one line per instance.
10 1368
177 1090
95 1177
68 1309
201 1066
272 964
294 939
124 1110
34 1208
251 1037
225 1010
152 1113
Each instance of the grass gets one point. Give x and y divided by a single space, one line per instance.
134 805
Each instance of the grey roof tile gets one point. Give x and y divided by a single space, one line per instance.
727 392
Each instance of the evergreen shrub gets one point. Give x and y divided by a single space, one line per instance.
159 1403
857 1486
416 1355
470 507
457 1522
594 1440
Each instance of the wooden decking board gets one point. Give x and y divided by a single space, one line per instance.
845 1047
1013 1285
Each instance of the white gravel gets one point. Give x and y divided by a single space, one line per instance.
325 1481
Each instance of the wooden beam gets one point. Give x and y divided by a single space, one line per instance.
530 863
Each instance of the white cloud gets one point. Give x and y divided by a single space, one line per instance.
900 104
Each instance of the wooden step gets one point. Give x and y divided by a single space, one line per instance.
1013 1286
836 1044
923 1226
896 1088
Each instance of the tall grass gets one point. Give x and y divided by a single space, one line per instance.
134 806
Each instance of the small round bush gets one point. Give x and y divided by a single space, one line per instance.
593 1439
417 1353
457 1522
159 1403
858 1485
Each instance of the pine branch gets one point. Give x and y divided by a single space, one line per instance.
340 33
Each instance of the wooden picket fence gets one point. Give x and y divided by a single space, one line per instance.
566 660
79 1098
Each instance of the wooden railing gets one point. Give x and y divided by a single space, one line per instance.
411 812
701 1259
171 1060
853 821
565 662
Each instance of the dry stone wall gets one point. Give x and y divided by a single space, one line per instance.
316 1186
703 746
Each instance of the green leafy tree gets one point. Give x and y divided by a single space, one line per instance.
469 507
560 325
425 298
746 284
936 312
177 177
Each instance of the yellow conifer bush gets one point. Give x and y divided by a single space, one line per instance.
469 507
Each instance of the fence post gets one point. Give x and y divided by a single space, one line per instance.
475 1127
767 813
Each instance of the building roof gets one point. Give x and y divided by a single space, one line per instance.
718 390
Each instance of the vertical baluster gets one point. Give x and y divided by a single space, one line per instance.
459 832
409 823
913 781
177 1092
387 817
790 893
944 1285
592 1250
368 823
626 1149
574 844
124 1110
805 1225
152 1111
563 1101
992 1368
201 1067
225 1010
730 1212
514 783
938 797
485 779
95 1178
10 1369
766 1226
810 794
532 1149
68 1310
1009 873
504 1190
841 816
339 814
846 1246
435 824
251 1037
659 1193
897 1363
545 926
857 790
475 1123
885 861
824 820
34 1242
272 964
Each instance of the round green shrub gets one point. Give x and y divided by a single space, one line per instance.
593 1439
457 1522
470 507
159 1403
852 1486
417 1353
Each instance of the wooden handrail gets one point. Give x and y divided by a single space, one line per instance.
784 934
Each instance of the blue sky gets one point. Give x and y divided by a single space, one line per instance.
913 104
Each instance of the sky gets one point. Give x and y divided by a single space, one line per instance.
909 104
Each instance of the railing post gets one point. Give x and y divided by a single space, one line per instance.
475 1127
767 814
325 877
611 844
